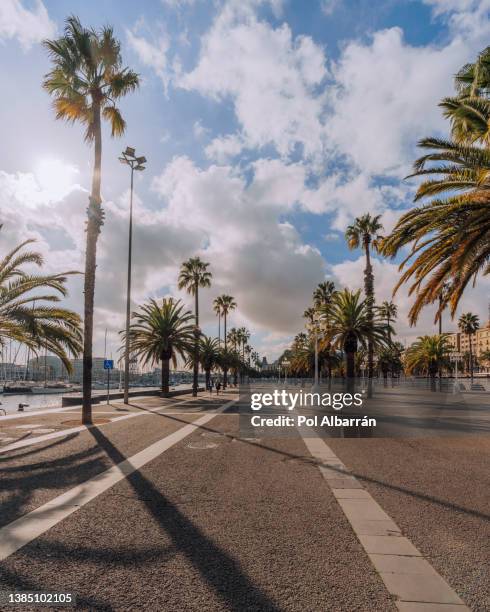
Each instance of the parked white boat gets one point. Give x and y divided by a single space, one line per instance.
53 388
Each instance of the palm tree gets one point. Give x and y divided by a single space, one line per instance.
86 81
217 307
364 232
310 314
243 337
389 311
428 355
468 324
322 298
322 295
194 274
351 326
208 356
27 311
450 234
227 305
161 331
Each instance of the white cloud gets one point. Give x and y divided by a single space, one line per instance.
255 257
271 77
152 54
329 6
199 130
27 26
223 148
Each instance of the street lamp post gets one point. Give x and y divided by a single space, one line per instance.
129 158
314 329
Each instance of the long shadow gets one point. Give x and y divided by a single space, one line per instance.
38 448
313 461
218 569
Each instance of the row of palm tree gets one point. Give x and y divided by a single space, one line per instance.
164 331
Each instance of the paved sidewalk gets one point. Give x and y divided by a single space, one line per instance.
202 519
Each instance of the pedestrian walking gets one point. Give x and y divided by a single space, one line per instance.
218 387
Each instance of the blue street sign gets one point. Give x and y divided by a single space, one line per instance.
108 364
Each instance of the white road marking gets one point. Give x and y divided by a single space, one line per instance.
20 532
399 564
66 432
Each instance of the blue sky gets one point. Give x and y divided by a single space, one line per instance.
268 126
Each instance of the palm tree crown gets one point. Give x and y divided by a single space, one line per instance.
26 315
428 355
161 332
88 77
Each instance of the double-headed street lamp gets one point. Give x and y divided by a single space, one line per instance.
129 158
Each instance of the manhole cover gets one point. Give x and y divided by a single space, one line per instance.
42 431
75 422
201 445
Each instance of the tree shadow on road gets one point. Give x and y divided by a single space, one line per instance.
220 571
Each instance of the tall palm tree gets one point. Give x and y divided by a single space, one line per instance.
323 293
352 325
27 311
217 307
161 331
227 305
364 233
86 81
389 312
309 314
322 299
428 355
243 337
208 356
193 275
450 234
468 324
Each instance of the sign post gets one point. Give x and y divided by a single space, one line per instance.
108 365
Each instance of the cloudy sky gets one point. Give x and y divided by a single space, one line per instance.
268 126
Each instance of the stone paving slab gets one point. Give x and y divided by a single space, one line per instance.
359 509
351 493
388 545
412 606
397 564
366 527
420 587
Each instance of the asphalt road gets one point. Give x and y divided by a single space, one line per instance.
219 522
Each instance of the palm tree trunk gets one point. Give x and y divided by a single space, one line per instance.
219 329
369 291
94 223
350 364
208 377
196 347
471 357
225 370
165 375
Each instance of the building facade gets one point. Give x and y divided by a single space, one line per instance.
480 343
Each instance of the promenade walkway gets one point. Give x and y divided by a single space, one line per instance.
162 505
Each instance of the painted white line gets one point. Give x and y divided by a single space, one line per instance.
66 432
400 565
20 532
